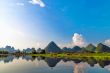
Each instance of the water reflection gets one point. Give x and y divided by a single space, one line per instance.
80 68
6 58
28 58
52 62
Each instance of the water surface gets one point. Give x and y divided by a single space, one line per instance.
29 64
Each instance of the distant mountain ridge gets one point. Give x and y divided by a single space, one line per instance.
8 49
52 47
102 48
90 48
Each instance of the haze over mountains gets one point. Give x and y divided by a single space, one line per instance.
9 49
53 48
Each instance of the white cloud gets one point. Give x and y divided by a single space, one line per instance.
78 40
20 4
107 42
39 2
80 67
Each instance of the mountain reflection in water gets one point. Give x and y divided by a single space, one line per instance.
79 65
52 62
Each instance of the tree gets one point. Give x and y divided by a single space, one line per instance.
33 51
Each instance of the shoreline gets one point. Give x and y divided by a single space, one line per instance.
98 56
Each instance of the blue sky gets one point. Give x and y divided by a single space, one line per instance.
24 24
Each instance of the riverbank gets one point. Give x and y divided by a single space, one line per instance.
97 56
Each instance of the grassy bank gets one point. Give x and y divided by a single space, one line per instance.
98 56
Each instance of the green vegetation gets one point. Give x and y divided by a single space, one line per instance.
3 52
98 56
